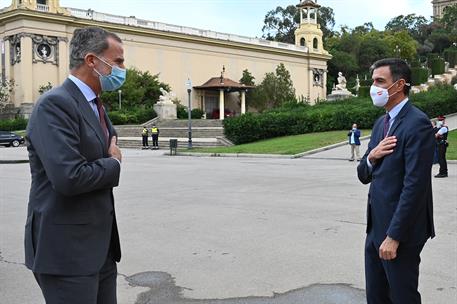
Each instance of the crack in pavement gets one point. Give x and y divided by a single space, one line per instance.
2 260
163 290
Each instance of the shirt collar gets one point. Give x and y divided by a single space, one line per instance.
84 88
395 110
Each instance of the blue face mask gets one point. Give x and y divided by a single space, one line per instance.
114 80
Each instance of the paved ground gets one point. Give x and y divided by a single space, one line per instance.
226 230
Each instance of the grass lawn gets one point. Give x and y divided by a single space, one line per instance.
288 145
452 149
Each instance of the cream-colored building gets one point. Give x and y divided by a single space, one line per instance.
440 5
35 36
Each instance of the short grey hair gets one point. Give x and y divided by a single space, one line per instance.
88 40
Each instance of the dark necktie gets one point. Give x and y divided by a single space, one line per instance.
101 114
386 124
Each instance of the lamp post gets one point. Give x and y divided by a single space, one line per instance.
189 110
397 51
120 98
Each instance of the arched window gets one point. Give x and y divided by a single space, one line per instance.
315 43
303 42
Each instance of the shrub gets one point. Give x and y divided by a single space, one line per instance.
450 55
13 124
136 116
418 75
295 119
364 91
181 111
196 113
437 66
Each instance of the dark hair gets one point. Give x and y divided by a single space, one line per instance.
88 40
399 69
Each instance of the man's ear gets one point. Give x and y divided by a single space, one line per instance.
89 59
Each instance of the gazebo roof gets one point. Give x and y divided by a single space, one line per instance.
217 83
308 3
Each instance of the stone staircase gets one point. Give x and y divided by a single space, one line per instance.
205 133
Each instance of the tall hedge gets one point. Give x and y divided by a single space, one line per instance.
437 65
13 124
326 116
450 55
419 75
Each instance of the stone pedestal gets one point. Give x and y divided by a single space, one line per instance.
339 95
165 110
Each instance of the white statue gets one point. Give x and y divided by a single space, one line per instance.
44 52
341 82
166 97
357 83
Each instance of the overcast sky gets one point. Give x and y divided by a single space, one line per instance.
245 17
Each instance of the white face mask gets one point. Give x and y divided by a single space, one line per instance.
380 96
439 124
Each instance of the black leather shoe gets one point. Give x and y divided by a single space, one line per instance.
439 175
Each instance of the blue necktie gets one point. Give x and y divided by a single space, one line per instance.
386 124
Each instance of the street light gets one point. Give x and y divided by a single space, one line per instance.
189 110
397 51
120 98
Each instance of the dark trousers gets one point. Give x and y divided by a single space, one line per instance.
99 288
442 158
145 141
394 281
155 140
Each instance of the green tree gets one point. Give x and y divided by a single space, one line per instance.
140 90
280 24
247 79
274 90
372 48
416 26
449 19
406 44
6 89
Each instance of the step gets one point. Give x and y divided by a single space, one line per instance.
164 143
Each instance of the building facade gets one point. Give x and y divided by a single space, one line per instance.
35 37
440 5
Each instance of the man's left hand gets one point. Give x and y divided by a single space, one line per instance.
388 249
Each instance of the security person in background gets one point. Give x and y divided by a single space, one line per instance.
155 137
145 135
441 140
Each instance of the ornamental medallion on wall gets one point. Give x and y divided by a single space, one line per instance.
45 49
318 77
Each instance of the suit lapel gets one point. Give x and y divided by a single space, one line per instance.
398 120
87 112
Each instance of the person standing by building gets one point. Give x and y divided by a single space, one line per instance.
397 164
145 136
354 142
155 137
441 140
71 236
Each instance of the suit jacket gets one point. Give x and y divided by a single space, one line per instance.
400 202
71 222
356 137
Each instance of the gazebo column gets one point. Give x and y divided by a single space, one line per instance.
221 104
243 102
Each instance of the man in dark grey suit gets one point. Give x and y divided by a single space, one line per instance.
398 165
71 237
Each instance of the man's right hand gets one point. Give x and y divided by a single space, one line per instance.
114 150
385 147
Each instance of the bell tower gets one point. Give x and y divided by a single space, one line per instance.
309 33
47 6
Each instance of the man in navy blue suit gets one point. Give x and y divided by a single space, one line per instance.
398 165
